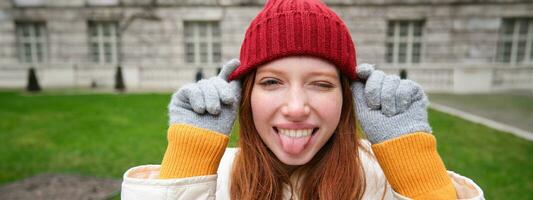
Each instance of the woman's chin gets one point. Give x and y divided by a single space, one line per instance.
294 160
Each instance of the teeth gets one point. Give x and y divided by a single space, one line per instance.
296 133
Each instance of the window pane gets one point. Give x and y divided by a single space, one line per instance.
416 53
217 52
188 30
202 42
390 28
93 31
189 52
31 45
203 52
402 52
115 29
215 29
94 52
203 29
403 28
417 29
507 46
107 48
25 30
508 27
106 29
389 55
520 51
504 51
39 52
27 52
103 35
522 27
108 52
37 30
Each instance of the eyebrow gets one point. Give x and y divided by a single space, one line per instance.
274 71
318 73
331 75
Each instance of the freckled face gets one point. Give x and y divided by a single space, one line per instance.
296 106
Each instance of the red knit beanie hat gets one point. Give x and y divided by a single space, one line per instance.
296 27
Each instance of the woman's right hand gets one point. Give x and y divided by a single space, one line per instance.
209 103
388 107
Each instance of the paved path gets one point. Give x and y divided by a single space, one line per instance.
59 187
485 121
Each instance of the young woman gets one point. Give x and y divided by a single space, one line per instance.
301 100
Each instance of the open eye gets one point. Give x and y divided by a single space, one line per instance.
269 82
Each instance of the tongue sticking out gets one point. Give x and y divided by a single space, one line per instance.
294 145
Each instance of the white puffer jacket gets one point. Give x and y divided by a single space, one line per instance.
142 183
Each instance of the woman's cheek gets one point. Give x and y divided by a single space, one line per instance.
263 105
329 105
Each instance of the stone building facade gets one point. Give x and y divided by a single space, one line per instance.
457 46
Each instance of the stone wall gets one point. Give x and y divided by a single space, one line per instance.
81 3
459 33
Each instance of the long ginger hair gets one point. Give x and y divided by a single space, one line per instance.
334 173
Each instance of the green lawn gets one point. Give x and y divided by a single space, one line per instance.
105 134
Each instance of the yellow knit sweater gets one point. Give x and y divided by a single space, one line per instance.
411 163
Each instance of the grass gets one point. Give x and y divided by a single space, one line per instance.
498 162
95 134
105 134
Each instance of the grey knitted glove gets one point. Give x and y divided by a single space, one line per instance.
210 103
388 107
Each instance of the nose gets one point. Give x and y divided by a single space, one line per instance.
296 105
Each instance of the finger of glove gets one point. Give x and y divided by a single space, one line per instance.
182 97
224 90
418 110
405 95
363 71
236 89
388 95
358 92
420 97
178 100
373 89
193 95
211 97
228 68
420 94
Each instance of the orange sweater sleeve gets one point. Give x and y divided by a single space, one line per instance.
192 151
414 168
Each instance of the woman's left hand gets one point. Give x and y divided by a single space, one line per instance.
388 107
